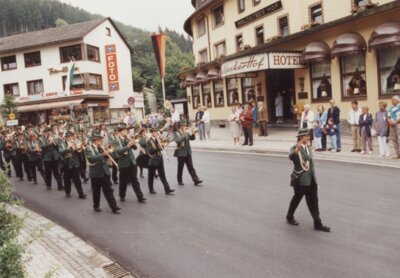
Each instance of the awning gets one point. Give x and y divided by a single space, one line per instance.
316 51
201 77
48 105
386 35
213 73
347 44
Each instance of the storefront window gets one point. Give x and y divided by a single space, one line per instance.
196 96
389 70
353 75
232 90
248 89
321 80
219 93
206 94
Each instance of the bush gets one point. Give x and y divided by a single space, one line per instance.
11 264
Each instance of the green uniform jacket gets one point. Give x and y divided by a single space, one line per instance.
124 154
18 146
33 154
155 156
307 176
98 167
112 139
50 151
8 153
183 144
69 158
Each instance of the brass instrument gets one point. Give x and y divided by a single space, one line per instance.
191 130
107 153
163 143
135 141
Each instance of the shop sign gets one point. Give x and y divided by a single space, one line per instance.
112 67
285 60
41 96
246 64
11 116
12 123
62 70
131 101
274 7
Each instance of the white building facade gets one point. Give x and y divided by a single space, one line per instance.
35 68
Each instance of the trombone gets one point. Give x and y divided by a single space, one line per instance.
107 151
135 141
163 143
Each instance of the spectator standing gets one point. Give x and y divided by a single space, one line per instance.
234 125
262 119
331 130
321 117
394 122
382 128
334 113
353 118
307 121
366 130
246 118
129 120
279 108
255 111
206 119
175 118
318 135
199 123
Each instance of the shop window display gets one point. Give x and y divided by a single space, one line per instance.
206 94
232 89
354 82
321 80
248 89
389 70
219 93
196 96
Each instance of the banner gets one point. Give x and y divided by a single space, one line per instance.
112 68
159 44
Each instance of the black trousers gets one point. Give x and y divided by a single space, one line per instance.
129 176
311 194
104 184
72 175
161 172
52 168
83 166
323 141
248 135
263 128
18 166
9 160
36 165
114 173
189 164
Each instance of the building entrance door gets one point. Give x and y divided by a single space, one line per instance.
280 95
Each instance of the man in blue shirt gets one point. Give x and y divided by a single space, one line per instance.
394 123
334 113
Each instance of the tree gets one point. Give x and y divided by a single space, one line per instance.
138 81
61 22
9 106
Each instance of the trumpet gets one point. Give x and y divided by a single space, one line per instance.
191 130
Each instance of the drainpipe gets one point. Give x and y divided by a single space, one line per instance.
208 37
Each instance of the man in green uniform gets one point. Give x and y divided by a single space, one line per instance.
50 158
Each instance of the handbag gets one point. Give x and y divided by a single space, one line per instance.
373 132
295 178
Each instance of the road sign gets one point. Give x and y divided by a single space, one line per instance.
12 122
131 101
11 116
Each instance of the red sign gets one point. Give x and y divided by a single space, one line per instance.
131 101
112 67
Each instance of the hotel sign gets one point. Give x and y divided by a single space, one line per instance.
274 7
260 62
112 68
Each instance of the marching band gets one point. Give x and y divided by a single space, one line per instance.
65 152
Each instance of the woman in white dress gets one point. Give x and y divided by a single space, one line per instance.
279 108
234 125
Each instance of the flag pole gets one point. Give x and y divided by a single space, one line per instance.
163 89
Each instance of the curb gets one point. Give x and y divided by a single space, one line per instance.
282 153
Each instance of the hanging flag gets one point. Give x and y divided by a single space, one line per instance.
159 44
70 79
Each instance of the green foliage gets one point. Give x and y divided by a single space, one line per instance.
10 225
61 22
8 106
147 109
138 81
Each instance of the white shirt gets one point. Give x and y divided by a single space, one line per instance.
175 117
309 119
206 117
353 117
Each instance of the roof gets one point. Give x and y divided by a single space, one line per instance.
50 36
200 9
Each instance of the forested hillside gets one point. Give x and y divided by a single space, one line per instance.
18 16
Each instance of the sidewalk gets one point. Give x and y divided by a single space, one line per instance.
59 253
280 141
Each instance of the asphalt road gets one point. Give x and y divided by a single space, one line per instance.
234 225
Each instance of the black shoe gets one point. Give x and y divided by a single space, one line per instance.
292 222
329 149
359 150
21 179
181 183
353 150
116 210
244 144
68 195
338 151
115 182
250 145
122 199
142 201
97 209
323 228
82 196
60 188
198 182
323 150
153 192
170 191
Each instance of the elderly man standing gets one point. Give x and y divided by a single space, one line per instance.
394 123
334 113
353 118
262 119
